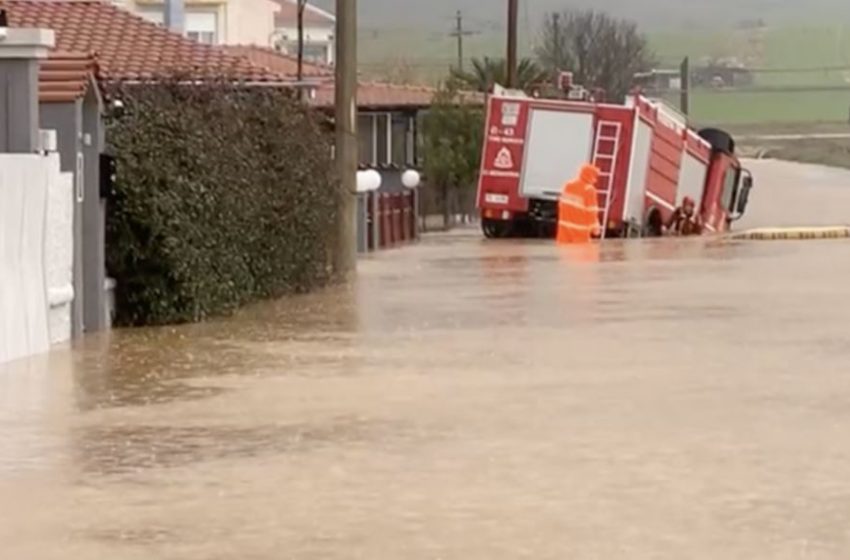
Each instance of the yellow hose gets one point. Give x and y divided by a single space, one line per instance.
797 233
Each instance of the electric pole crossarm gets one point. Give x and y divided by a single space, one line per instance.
459 33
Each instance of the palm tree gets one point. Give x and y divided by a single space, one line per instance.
488 71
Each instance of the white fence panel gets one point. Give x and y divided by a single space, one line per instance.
24 310
60 250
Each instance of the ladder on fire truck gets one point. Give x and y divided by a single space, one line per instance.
605 151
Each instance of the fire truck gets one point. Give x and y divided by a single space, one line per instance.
649 161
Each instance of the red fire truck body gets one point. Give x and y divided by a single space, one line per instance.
649 159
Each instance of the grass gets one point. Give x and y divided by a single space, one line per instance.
832 152
414 55
745 108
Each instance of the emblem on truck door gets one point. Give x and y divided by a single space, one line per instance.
510 114
504 159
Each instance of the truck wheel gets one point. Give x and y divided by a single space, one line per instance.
653 226
496 229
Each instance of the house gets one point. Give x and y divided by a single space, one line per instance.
659 81
97 43
217 22
387 113
319 28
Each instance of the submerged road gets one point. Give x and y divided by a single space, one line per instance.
466 400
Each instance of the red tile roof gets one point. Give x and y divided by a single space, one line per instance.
279 62
287 16
128 47
65 77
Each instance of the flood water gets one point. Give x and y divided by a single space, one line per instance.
466 400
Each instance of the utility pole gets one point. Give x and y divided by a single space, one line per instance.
175 16
345 249
513 17
302 5
556 38
460 33
685 93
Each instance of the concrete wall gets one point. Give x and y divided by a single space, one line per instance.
18 109
66 119
60 252
28 182
94 218
249 22
80 140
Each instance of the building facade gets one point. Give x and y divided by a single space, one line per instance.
217 22
319 28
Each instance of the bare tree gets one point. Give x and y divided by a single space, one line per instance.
601 51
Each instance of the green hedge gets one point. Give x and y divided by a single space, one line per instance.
224 195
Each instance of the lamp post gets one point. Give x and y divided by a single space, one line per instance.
368 182
411 179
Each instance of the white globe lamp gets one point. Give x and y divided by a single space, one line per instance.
411 179
368 181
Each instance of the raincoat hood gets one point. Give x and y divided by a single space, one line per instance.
589 174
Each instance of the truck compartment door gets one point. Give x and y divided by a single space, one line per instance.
638 172
558 144
692 180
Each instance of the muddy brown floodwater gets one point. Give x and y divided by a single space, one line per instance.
466 400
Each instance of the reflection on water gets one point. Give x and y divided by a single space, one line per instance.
462 399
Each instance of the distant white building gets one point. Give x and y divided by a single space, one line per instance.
319 28
217 22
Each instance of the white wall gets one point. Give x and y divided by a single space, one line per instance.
33 191
59 250
312 36
237 22
249 22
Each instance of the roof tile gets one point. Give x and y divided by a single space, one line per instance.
127 46
279 62
65 77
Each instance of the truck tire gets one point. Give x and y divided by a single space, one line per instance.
653 225
720 141
496 229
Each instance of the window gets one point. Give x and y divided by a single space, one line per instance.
400 155
366 139
202 27
316 53
203 37
730 185
382 140
313 52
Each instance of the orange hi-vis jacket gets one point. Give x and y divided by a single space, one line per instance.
578 208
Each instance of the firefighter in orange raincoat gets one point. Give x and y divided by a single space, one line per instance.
578 208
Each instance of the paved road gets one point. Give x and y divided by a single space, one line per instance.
466 400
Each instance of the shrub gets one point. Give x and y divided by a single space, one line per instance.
223 195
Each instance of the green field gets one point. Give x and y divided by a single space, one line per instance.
742 108
418 56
